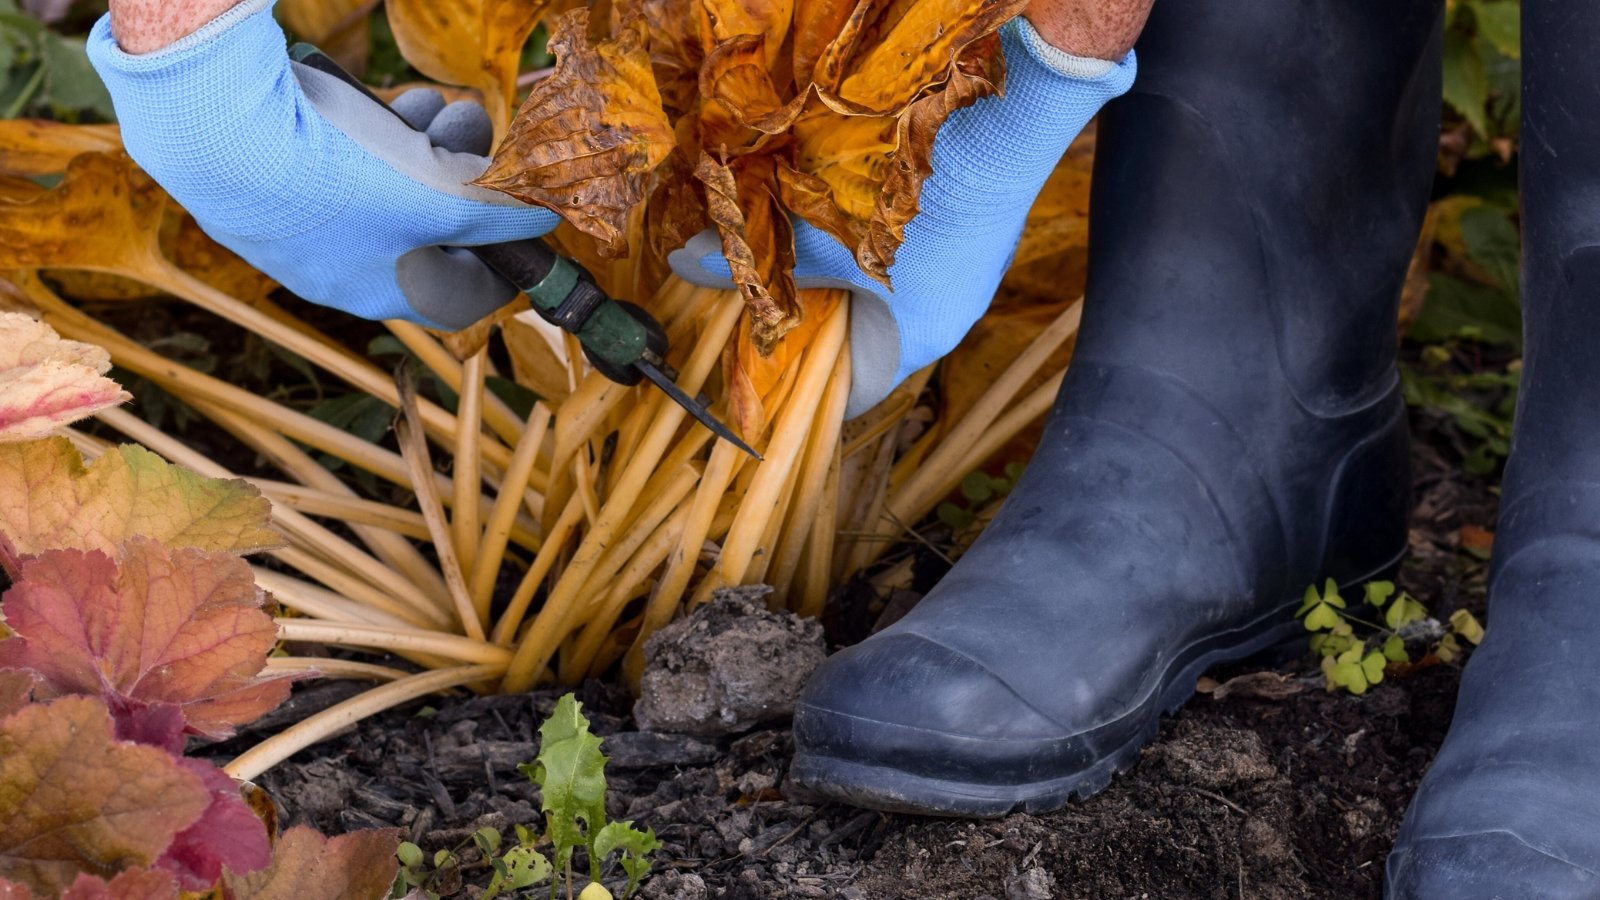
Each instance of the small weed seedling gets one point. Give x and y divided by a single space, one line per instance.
570 773
1356 663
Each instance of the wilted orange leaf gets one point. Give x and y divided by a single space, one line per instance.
183 628
105 216
735 76
477 43
757 240
818 25
972 79
73 799
588 135
340 28
723 20
751 375
308 866
49 501
913 46
39 147
46 382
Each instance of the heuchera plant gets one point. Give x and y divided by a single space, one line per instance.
131 622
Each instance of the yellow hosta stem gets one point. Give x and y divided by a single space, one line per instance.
552 622
496 414
813 480
628 584
406 602
465 525
381 637
336 718
414 449
326 667
321 603
503 516
818 564
506 629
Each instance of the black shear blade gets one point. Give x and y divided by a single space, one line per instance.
701 414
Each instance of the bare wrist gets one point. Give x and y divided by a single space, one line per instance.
1095 29
144 26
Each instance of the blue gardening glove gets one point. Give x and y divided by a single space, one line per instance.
990 161
311 181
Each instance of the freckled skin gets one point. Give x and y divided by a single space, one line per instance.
141 26
1097 29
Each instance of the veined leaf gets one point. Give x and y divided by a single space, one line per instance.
46 382
75 800
307 866
757 239
49 500
570 772
588 135
166 628
475 43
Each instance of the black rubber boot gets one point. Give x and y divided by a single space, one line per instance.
1230 432
1511 806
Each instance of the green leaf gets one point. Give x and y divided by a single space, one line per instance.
954 517
71 82
525 866
1379 592
976 487
410 854
519 398
1467 626
1493 242
1394 649
1466 81
1309 601
570 772
635 845
488 840
1500 23
1322 616
1403 611
1458 309
1372 667
1330 594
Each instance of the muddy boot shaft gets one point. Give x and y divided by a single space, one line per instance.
1230 432
1511 806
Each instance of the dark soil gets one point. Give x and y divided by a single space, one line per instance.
1269 788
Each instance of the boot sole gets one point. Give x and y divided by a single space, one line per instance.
895 790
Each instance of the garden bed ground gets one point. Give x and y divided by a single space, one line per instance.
1262 793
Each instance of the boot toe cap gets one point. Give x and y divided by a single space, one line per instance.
1483 866
902 722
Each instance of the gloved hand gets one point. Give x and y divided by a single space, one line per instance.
990 160
311 181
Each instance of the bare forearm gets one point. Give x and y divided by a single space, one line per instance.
141 26
1097 29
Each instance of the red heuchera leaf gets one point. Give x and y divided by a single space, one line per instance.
74 800
227 834
10 890
49 501
179 627
134 884
46 382
308 866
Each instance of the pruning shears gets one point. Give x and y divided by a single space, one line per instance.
620 339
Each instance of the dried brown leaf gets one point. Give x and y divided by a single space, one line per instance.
340 28
589 134
735 77
758 241
912 46
971 79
